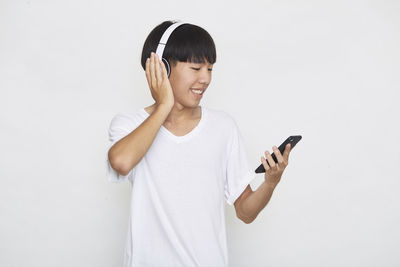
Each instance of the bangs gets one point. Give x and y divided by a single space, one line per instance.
190 44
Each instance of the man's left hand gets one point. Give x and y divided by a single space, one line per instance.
273 171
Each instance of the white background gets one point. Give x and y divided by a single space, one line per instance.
328 70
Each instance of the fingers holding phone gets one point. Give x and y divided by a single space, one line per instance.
274 169
285 148
283 160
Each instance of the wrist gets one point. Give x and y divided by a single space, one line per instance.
164 107
270 185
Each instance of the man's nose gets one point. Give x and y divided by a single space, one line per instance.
205 77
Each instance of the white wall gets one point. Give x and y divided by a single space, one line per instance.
328 70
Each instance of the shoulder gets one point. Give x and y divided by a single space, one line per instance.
128 119
220 117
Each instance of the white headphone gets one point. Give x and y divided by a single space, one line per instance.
163 43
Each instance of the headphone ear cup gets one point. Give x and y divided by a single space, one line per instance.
167 66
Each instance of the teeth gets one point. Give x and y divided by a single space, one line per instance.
197 91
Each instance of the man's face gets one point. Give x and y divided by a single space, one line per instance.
186 76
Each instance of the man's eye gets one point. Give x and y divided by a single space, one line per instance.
199 69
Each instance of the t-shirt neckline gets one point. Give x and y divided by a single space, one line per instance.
189 135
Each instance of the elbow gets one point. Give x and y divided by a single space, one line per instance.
117 164
247 219
122 171
243 214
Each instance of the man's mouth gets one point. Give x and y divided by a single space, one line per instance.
197 91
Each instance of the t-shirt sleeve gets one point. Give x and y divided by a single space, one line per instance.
121 125
238 173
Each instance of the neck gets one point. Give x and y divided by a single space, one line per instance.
180 114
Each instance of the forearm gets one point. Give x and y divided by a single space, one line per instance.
257 200
127 152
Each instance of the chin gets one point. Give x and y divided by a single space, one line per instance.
190 104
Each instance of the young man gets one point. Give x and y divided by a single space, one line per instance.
183 160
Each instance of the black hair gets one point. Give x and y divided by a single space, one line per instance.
187 43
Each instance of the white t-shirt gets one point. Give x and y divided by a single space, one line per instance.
179 188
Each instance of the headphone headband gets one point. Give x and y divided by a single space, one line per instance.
164 38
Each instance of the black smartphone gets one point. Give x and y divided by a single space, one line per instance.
293 140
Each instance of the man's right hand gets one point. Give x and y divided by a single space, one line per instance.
157 78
